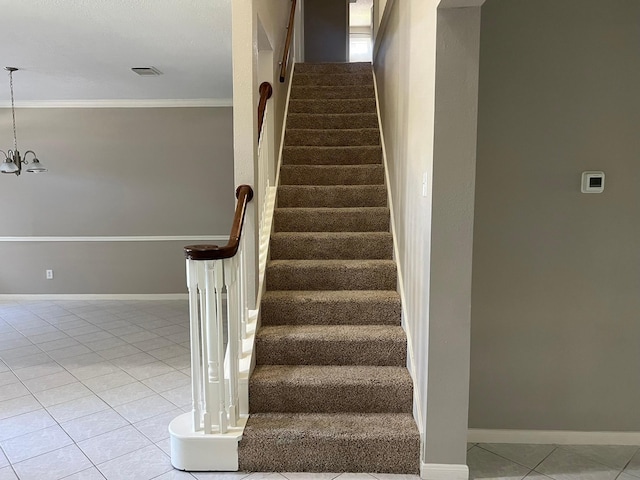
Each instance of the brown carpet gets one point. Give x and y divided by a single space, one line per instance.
330 391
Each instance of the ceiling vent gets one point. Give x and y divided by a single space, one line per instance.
147 71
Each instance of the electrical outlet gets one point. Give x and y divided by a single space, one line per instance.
49 274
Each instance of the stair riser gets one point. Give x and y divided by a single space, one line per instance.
290 196
380 277
334 220
323 79
347 92
332 175
352 67
352 247
332 138
330 398
291 312
333 106
302 454
300 352
320 121
367 155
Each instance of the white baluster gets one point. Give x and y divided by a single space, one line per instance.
231 284
205 316
242 297
219 325
196 365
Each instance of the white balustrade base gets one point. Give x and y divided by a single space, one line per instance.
197 452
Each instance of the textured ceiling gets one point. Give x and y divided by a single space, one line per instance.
82 50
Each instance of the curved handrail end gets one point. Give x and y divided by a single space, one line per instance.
244 194
247 189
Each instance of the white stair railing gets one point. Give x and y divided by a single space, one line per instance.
223 329
218 327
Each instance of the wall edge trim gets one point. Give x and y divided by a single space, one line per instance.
560 437
150 238
439 471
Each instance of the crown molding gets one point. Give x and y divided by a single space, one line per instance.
120 103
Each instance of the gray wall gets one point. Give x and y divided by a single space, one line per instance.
556 273
114 172
326 30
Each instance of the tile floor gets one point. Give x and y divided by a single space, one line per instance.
87 390
559 462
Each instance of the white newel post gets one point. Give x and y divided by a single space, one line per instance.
206 438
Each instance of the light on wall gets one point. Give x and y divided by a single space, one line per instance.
12 159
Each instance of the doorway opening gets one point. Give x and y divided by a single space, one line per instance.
360 30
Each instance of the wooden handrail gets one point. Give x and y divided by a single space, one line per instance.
287 43
244 194
265 94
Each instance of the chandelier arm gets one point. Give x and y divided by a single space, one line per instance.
24 157
6 157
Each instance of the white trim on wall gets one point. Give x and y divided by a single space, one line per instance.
559 437
166 238
93 296
436 471
126 103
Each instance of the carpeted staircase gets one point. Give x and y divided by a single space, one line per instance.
330 391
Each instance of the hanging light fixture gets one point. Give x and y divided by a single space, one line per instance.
12 159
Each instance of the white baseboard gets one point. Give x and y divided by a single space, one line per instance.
437 471
559 437
91 296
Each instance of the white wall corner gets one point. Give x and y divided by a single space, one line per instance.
439 471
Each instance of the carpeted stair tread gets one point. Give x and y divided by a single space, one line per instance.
332 120
330 389
331 275
348 67
331 307
333 91
307 155
335 137
331 245
333 79
333 196
332 175
331 345
355 105
339 442
361 219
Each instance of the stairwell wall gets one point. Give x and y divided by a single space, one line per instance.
427 71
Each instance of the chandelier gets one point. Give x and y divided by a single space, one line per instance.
12 159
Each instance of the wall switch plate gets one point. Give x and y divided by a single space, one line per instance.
49 274
592 182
